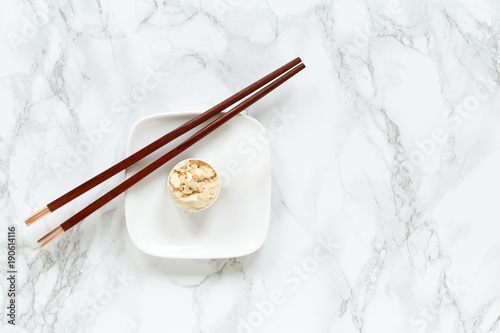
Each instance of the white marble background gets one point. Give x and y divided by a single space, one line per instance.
385 214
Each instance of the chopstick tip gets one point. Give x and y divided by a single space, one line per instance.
36 215
50 236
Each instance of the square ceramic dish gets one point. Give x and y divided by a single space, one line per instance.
235 225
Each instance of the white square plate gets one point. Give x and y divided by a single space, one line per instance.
238 221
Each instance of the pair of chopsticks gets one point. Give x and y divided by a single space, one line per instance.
266 84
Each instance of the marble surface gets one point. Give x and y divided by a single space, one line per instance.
385 160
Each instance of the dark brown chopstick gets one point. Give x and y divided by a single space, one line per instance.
167 157
120 166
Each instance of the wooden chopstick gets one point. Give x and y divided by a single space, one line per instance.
120 166
167 157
